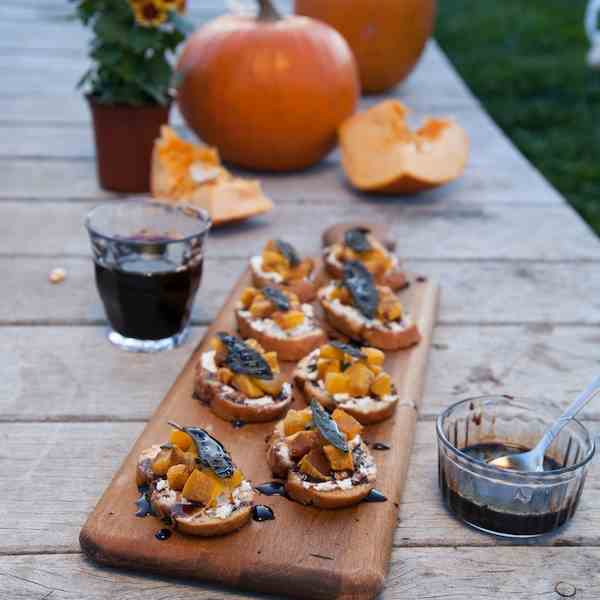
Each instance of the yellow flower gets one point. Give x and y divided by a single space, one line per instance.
178 5
148 13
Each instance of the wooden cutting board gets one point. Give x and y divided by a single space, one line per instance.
305 552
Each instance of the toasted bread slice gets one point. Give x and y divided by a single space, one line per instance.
329 499
192 482
198 521
305 289
329 494
231 405
183 172
367 249
288 347
394 278
349 321
366 410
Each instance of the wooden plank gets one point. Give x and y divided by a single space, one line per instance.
520 573
47 375
74 462
51 365
545 362
258 558
474 292
55 179
468 230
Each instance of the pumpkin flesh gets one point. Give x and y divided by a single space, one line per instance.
387 37
269 95
381 154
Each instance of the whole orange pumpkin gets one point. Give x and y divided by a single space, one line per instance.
268 91
386 36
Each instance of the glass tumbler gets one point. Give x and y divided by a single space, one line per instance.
148 261
504 502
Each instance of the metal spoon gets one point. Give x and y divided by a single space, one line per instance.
533 460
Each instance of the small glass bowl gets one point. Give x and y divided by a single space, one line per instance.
509 503
148 260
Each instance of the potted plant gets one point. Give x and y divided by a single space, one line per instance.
129 87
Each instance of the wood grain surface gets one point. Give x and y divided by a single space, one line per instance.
306 552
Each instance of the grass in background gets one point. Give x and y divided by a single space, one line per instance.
526 63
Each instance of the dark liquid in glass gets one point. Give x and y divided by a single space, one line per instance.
487 517
148 298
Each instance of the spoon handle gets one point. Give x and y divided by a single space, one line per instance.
584 397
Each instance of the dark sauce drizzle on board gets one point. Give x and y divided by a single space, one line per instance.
261 512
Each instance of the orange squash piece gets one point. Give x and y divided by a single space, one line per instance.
347 424
381 154
296 420
339 461
315 465
192 174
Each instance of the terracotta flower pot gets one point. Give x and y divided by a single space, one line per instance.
124 139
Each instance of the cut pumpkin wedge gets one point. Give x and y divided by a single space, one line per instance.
192 174
381 154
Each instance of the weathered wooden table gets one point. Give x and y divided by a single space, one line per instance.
520 313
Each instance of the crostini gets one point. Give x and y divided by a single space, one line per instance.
361 245
192 483
322 457
240 381
366 312
278 321
340 375
279 265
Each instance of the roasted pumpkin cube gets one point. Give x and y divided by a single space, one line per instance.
165 459
374 356
315 465
235 480
248 296
338 460
247 386
360 379
272 361
375 369
177 475
272 259
262 309
180 439
203 486
349 254
382 385
301 270
289 319
337 383
217 345
272 387
302 442
296 420
346 423
390 307
329 351
327 365
224 375
340 293
252 343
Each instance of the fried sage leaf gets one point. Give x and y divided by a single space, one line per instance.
289 252
211 453
361 285
244 360
277 297
327 427
347 348
357 239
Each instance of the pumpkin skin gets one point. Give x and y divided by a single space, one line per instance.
380 154
269 94
386 36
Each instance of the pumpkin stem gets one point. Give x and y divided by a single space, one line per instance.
267 12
